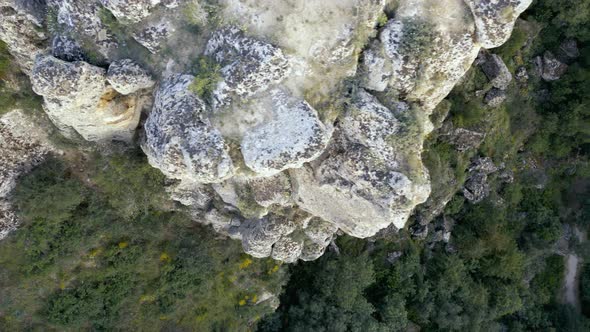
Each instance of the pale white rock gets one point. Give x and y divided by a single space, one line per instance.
180 141
250 65
77 98
193 194
312 251
293 136
377 70
128 77
495 19
132 11
424 50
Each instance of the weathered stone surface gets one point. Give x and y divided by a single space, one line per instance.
422 52
320 231
267 191
287 249
361 184
293 136
551 68
179 138
67 49
128 77
476 188
76 97
495 97
495 19
250 65
23 36
259 236
496 70
464 139
23 146
154 35
131 11
82 19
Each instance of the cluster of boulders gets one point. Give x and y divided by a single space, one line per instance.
267 157
552 65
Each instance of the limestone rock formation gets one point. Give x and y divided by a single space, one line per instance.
21 32
303 134
293 136
495 19
180 140
363 183
252 65
127 77
130 10
78 99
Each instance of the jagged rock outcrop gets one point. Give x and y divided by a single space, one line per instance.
78 100
495 97
131 11
363 183
83 21
180 140
550 67
252 65
294 143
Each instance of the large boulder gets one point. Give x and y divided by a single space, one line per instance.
496 70
179 139
293 136
78 99
250 65
421 54
365 182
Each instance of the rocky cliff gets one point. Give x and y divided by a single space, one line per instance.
280 123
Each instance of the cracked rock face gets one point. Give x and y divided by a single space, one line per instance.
23 36
180 140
